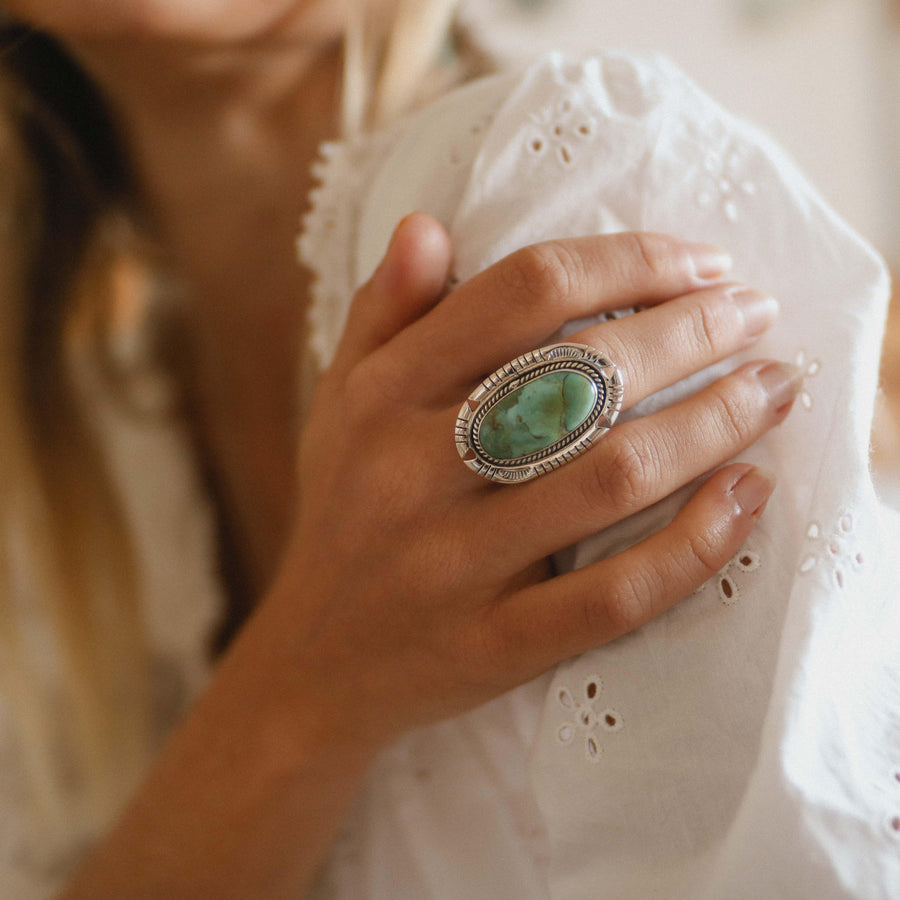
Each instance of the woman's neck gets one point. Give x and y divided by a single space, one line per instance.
223 142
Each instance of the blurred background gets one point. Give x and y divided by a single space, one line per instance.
821 76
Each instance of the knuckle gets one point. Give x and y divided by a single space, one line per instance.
705 555
624 613
372 388
542 273
651 255
621 607
707 329
625 480
735 412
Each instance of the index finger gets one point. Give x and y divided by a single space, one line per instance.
521 301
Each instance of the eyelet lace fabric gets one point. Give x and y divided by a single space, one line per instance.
757 718
585 723
329 233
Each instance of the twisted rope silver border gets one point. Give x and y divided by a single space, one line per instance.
578 358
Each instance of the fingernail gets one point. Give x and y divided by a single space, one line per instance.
759 310
709 261
753 490
782 382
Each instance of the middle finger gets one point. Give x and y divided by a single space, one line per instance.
657 347
520 302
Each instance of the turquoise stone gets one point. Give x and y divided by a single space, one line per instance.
537 415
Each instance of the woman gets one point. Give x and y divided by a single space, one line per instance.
390 586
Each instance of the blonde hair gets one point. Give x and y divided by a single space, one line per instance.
67 227
386 62
77 689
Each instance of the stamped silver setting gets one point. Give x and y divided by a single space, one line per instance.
564 357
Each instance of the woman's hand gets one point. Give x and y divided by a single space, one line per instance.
414 589
425 588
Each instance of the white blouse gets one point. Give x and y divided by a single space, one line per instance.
746 743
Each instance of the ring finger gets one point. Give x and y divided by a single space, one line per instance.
637 464
662 345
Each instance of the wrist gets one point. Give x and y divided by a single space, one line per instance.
251 787
304 701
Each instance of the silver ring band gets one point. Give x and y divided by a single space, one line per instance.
538 412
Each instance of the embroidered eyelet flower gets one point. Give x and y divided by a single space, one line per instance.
727 582
892 824
724 186
837 550
892 819
561 129
807 370
584 720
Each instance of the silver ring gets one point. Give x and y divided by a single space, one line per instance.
538 412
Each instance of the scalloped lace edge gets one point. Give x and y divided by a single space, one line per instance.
327 241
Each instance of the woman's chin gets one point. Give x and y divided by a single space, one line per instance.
200 21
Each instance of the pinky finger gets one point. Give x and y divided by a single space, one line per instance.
576 612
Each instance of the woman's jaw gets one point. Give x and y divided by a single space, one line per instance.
197 21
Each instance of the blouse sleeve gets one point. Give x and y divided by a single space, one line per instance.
746 743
